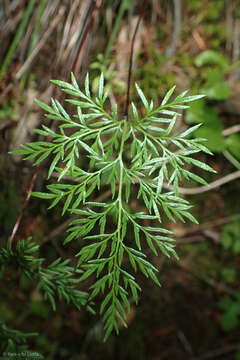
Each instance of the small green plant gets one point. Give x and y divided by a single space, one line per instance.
14 342
128 157
216 88
230 305
230 319
216 66
211 128
58 279
230 236
228 274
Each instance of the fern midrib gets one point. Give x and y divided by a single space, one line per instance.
120 210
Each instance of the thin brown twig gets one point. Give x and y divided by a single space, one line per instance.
171 50
211 224
231 159
67 29
199 233
219 286
189 240
199 40
231 130
27 34
18 222
229 24
10 25
201 189
5 92
213 354
41 43
236 41
77 25
94 11
141 14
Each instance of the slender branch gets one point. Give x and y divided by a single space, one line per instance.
16 39
89 26
141 14
231 130
66 30
236 41
229 24
41 43
211 282
213 354
5 92
202 189
211 224
18 222
231 158
176 29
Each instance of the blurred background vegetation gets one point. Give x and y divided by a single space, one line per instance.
191 43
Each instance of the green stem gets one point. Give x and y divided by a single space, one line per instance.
120 210
120 186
